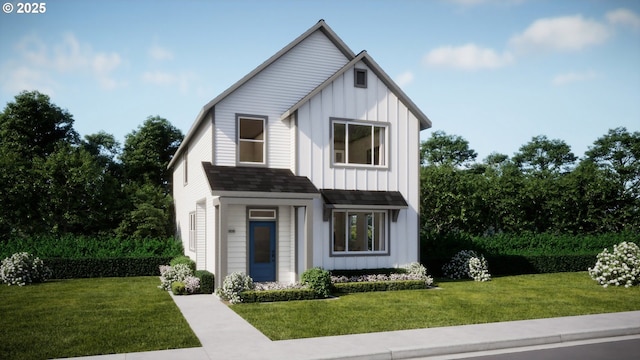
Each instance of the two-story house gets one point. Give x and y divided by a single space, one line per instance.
311 159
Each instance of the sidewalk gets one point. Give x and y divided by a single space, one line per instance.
225 335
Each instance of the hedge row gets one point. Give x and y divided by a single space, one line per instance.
277 295
113 267
353 287
503 265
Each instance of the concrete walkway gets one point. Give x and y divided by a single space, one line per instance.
225 335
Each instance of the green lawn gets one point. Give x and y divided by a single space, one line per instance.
455 303
66 318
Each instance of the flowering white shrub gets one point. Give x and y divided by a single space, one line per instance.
234 284
170 274
22 269
467 264
620 267
192 284
414 271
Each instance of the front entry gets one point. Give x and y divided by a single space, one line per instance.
262 250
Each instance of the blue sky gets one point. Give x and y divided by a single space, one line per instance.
495 72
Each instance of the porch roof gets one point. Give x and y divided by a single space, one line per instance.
349 198
256 180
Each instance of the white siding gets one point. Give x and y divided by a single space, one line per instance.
376 103
271 92
237 239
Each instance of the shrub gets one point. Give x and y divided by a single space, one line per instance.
620 267
233 285
417 271
178 288
192 284
367 286
319 280
183 260
171 274
111 267
278 295
207 281
22 269
467 263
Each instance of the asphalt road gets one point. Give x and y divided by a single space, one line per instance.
618 350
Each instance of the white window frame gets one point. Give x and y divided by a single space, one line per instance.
344 154
347 251
192 231
239 118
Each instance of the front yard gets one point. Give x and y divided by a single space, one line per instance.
66 318
455 303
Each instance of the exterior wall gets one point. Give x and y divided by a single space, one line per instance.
195 196
376 103
270 93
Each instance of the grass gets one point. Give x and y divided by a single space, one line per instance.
67 318
456 303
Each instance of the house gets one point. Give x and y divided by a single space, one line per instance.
311 159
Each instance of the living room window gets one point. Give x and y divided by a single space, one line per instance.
357 143
358 232
251 140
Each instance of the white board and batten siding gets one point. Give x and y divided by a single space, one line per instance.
270 93
376 103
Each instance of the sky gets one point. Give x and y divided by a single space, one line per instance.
496 73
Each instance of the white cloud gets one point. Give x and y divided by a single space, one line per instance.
624 17
182 80
36 63
467 57
19 78
567 33
404 79
571 77
157 52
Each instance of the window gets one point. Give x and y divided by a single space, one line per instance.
192 231
360 78
251 140
359 232
355 143
262 214
185 175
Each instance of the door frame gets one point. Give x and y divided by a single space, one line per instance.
273 221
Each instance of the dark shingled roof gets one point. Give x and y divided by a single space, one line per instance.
256 179
359 197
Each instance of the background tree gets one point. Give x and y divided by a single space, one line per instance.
148 150
443 149
543 155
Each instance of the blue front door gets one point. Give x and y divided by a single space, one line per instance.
262 250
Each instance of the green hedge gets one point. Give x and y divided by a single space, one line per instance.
81 247
277 295
361 272
503 265
353 287
207 281
113 267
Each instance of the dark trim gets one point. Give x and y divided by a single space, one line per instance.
265 135
354 254
385 124
356 83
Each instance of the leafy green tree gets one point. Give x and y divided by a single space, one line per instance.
443 149
148 150
542 155
151 214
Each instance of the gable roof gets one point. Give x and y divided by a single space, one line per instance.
319 26
363 56
248 179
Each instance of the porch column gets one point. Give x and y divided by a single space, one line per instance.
308 238
221 242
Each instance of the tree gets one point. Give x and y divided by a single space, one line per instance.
151 213
443 149
542 155
148 150
32 125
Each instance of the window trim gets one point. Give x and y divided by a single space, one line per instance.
346 164
357 71
185 169
192 230
346 211
265 120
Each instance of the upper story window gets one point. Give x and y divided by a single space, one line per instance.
252 143
359 143
360 78
185 173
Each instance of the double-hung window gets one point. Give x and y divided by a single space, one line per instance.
359 143
252 145
359 232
